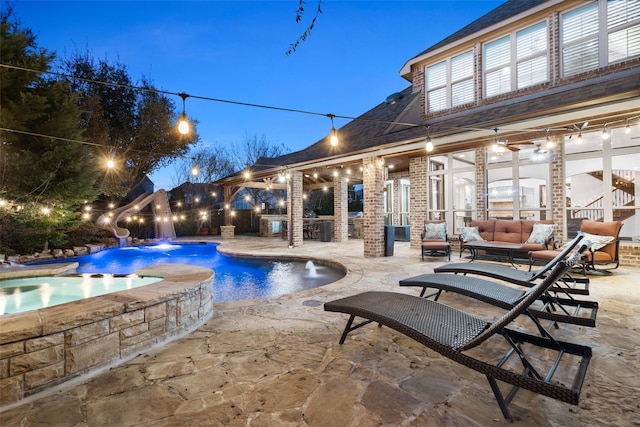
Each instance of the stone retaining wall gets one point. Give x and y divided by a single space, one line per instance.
43 348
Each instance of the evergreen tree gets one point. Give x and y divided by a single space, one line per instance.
45 174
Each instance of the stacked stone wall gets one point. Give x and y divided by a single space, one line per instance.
43 348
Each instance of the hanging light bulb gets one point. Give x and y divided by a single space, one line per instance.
579 140
334 134
429 145
627 128
548 141
183 122
605 134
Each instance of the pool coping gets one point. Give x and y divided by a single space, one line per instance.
43 348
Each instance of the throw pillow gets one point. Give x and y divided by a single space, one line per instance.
435 230
541 233
597 242
470 234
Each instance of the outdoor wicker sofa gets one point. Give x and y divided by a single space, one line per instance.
451 332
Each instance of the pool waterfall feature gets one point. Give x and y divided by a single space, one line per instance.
50 346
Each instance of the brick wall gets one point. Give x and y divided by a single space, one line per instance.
629 254
419 194
374 175
340 209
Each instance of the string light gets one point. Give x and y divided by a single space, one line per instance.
429 144
334 134
183 122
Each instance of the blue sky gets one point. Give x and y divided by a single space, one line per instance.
235 50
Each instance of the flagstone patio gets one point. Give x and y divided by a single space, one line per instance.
277 362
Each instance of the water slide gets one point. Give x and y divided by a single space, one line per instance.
161 212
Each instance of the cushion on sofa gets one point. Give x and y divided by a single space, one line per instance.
610 228
541 233
598 242
470 234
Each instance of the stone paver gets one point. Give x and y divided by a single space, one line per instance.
277 362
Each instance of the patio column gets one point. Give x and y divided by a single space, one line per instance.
418 200
558 194
374 174
482 191
227 202
340 209
295 208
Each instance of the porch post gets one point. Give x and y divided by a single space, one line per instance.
558 194
482 191
227 202
418 200
340 209
374 174
295 208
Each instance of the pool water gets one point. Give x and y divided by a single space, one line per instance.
25 294
235 278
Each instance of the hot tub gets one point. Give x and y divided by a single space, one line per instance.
49 346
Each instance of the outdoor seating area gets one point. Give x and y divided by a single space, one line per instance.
277 361
501 235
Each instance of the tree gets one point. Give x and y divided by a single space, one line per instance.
136 127
248 153
307 31
46 173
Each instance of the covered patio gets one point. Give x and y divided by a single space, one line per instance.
278 362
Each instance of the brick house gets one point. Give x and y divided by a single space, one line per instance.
531 111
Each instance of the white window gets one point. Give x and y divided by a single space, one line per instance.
516 61
497 62
531 56
450 83
586 48
623 23
580 40
462 79
437 87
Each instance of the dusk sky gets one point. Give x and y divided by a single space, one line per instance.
235 50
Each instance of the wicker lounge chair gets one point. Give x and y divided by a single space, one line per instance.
549 306
451 332
570 284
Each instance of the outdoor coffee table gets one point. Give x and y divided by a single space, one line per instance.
486 246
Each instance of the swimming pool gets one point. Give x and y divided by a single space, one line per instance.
236 278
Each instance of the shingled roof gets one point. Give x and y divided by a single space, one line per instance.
499 14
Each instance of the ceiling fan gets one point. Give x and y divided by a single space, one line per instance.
540 150
500 146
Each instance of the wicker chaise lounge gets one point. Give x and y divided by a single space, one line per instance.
451 332
571 284
549 306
